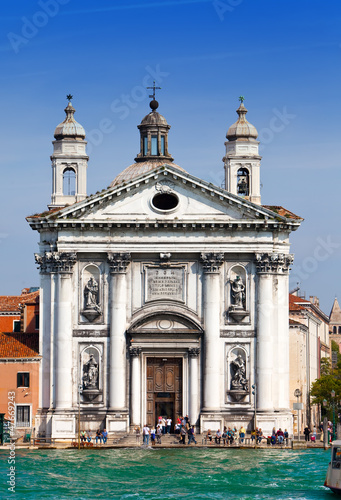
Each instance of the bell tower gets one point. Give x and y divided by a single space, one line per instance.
69 161
242 160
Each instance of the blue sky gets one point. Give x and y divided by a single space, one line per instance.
283 56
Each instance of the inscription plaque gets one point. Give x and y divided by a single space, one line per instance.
165 283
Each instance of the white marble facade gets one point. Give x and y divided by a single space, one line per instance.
164 266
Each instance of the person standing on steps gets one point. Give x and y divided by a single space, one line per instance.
306 432
146 432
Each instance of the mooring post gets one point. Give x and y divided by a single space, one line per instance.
325 433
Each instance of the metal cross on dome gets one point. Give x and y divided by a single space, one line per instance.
69 97
154 88
241 99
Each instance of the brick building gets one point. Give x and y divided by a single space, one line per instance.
19 357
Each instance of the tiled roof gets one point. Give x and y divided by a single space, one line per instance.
294 303
282 211
12 302
44 214
19 345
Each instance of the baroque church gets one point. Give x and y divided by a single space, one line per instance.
162 294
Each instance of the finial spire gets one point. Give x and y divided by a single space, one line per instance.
69 97
153 88
241 99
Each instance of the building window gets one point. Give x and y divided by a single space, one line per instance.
37 322
23 379
16 325
23 416
163 145
69 182
165 201
339 329
334 329
154 145
145 145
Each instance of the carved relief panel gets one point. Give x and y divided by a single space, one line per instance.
165 282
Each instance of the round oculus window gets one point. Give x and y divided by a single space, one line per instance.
165 202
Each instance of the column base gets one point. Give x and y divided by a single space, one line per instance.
63 425
117 421
43 423
267 420
212 420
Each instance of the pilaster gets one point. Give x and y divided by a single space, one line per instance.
135 401
193 354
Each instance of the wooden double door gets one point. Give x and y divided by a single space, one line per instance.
164 389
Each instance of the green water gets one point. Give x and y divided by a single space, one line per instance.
167 474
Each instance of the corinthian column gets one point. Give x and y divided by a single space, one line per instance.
272 332
194 384
135 401
118 314
212 374
63 263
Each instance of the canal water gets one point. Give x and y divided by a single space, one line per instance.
167 474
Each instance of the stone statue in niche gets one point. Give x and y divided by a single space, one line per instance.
238 293
239 381
90 374
91 295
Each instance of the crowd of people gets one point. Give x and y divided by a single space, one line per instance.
232 435
182 428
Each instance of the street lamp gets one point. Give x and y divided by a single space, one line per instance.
333 406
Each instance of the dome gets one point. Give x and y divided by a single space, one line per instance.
154 118
69 128
140 168
242 129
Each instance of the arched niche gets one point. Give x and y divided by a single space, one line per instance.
91 292
238 293
237 369
91 373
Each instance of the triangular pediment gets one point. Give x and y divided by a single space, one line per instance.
133 202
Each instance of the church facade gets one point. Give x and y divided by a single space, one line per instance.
163 294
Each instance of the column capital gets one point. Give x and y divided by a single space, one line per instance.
273 263
194 352
211 262
56 262
118 262
134 351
